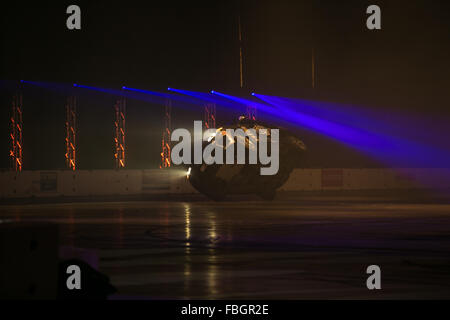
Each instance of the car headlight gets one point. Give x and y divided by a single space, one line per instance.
188 172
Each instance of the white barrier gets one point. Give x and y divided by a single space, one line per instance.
83 183
303 179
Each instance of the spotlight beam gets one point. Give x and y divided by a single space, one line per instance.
388 148
178 101
212 97
155 93
196 97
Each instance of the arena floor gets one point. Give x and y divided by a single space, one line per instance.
310 247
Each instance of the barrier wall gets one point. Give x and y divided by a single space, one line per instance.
83 183
367 179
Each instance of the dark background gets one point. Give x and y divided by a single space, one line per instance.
403 68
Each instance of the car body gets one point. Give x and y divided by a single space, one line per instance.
217 181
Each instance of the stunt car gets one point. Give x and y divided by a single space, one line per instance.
216 181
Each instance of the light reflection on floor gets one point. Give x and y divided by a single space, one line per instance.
250 249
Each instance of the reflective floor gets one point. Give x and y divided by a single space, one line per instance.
308 248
